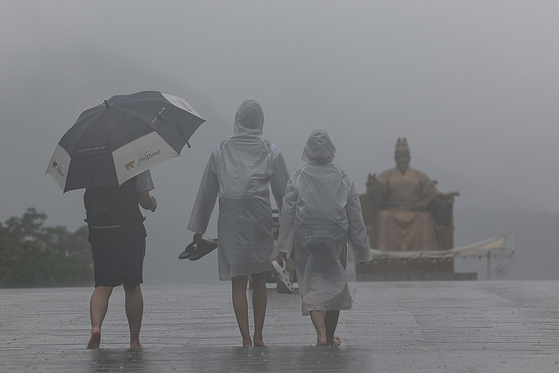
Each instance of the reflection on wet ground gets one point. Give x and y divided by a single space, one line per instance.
394 326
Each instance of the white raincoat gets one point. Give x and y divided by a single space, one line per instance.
321 212
241 169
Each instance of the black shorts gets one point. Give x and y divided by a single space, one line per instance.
118 256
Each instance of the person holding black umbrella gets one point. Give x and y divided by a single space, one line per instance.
117 237
109 151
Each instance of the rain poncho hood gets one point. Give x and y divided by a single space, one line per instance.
241 171
249 118
321 214
319 148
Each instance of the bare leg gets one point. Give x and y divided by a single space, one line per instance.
240 305
134 306
331 324
318 319
259 300
98 306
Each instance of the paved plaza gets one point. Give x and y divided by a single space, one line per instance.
469 326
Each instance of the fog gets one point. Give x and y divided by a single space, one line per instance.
471 85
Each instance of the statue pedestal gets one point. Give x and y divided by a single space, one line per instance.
416 269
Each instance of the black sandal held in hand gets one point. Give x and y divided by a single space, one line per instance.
196 251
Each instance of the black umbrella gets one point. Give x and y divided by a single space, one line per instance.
121 138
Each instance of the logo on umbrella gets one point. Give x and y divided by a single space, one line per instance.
129 165
92 149
147 156
57 168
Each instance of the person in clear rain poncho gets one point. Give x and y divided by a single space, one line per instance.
241 171
321 213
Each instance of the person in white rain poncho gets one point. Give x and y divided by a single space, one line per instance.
321 212
241 170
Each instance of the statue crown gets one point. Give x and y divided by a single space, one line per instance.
402 144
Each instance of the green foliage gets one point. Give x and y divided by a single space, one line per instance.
32 255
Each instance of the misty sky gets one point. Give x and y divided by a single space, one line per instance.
472 85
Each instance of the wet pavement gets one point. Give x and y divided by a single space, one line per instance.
471 326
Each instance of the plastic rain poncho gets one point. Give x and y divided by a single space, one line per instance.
321 213
241 170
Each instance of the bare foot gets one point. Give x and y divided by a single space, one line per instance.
258 341
136 345
321 342
247 342
336 341
95 339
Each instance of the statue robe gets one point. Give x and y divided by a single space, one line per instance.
404 224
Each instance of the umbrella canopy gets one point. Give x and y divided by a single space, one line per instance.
121 138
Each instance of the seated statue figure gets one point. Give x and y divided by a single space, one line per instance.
405 211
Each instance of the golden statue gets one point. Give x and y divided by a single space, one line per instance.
404 211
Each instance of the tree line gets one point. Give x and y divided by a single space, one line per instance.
34 255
